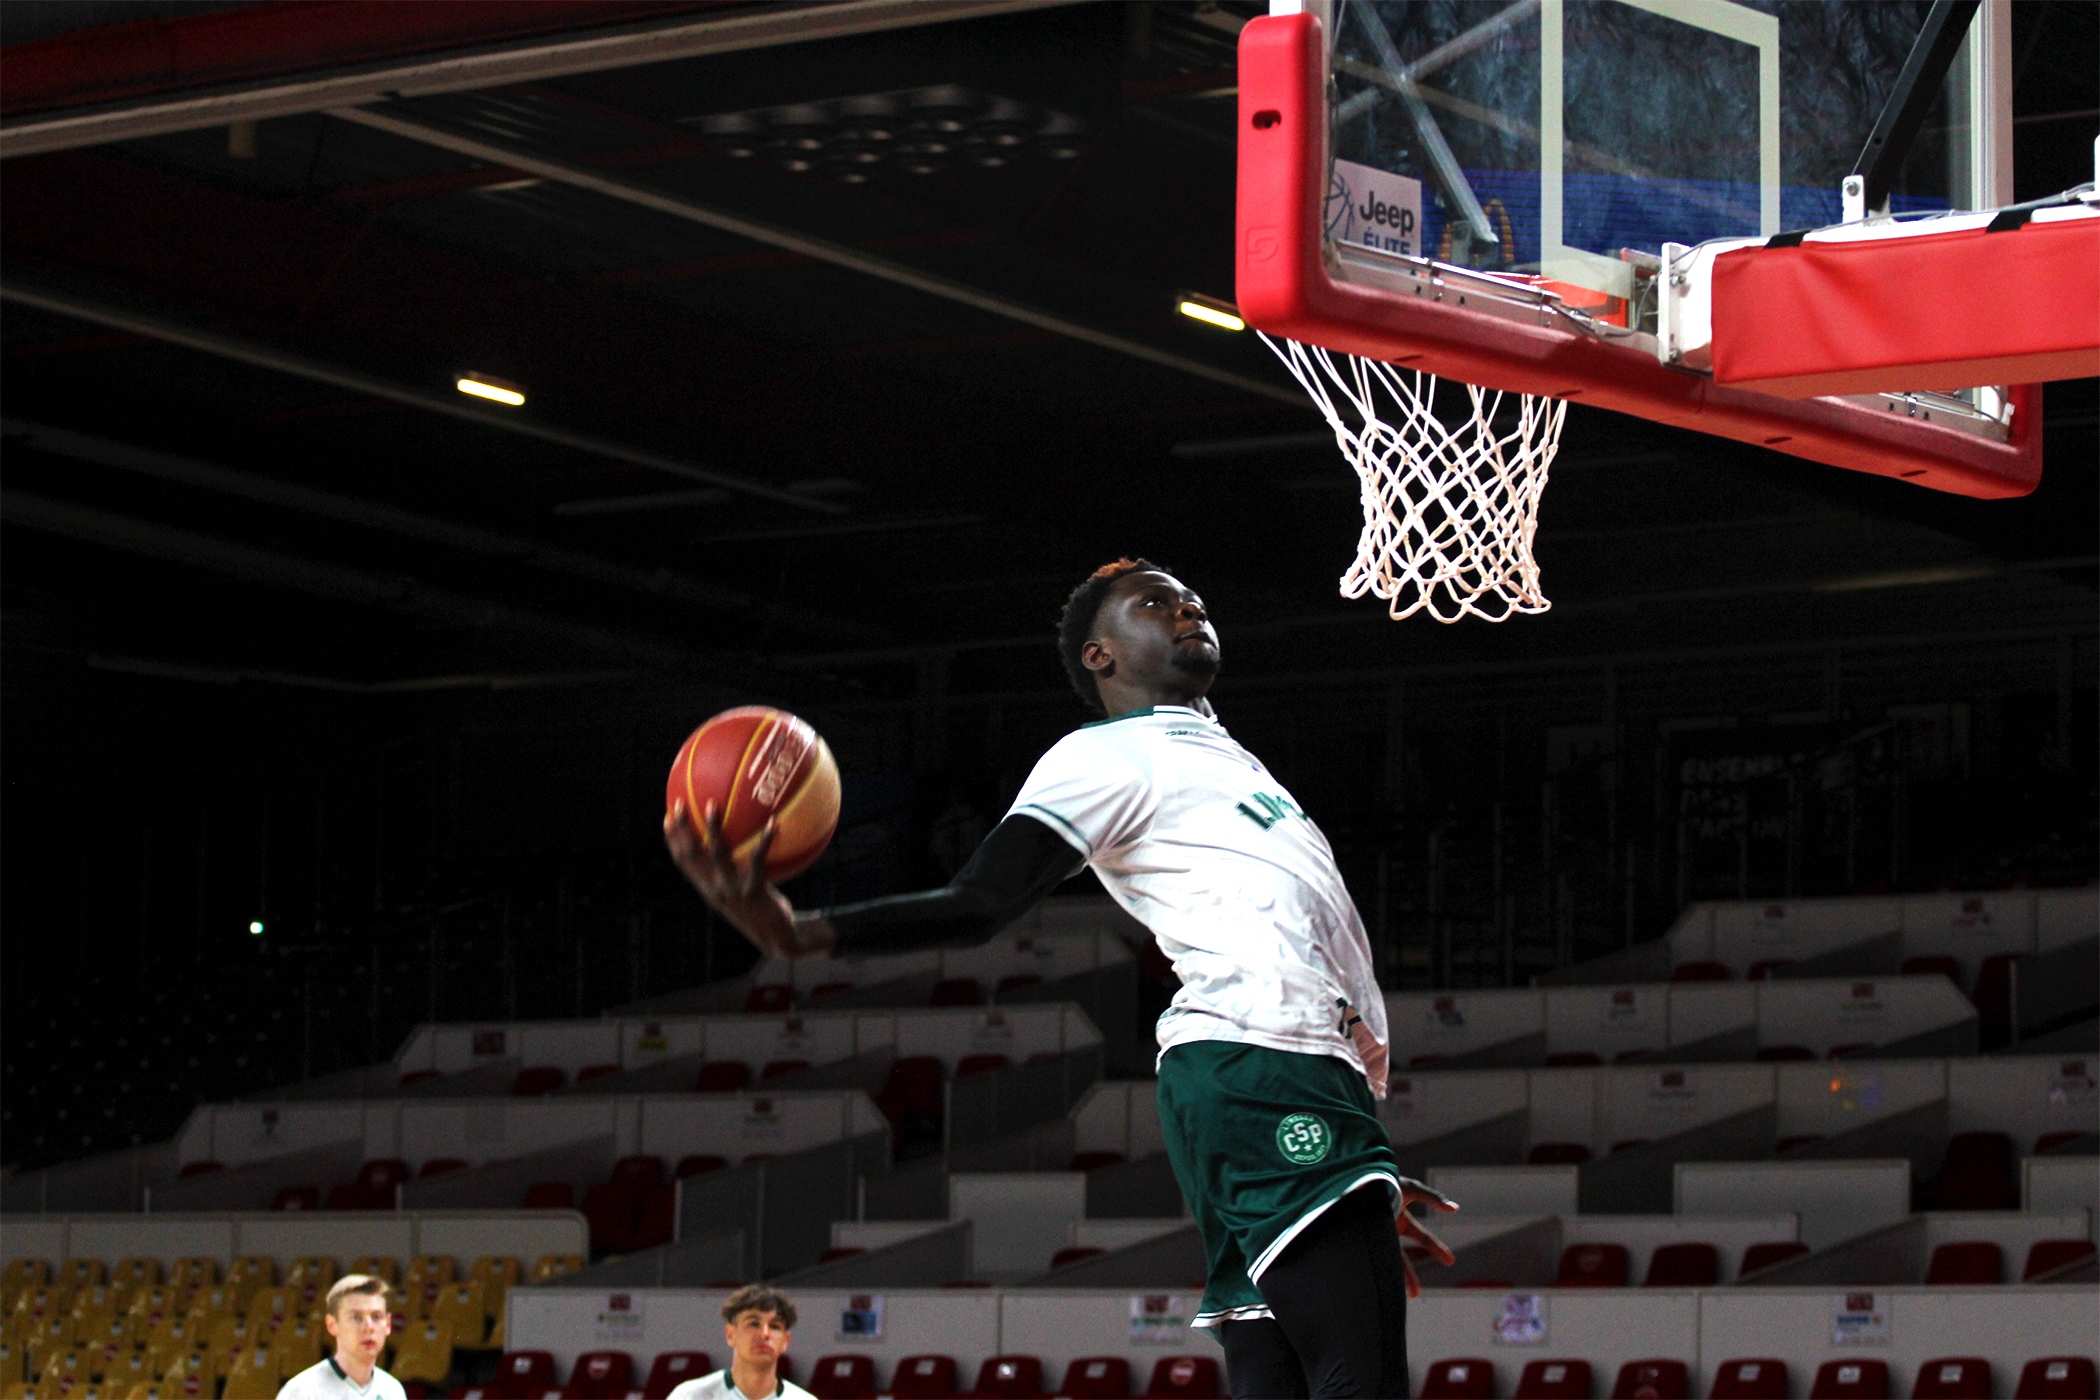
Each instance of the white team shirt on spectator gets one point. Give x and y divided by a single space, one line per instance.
1203 846
720 1387
327 1381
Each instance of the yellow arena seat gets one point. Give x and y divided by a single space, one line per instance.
253 1374
300 1342
463 1307
27 1273
82 1272
377 1266
252 1271
18 1390
11 1368
312 1268
139 1273
423 1353
129 1370
555 1265
190 1372
194 1272
430 1268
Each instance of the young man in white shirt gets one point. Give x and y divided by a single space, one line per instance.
756 1323
360 1319
1275 1046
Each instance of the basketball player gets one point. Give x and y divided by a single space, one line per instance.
756 1322
1275 1046
360 1320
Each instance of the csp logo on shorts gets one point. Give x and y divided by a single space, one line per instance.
1303 1138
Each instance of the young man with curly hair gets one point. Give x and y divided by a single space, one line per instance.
1274 1048
756 1323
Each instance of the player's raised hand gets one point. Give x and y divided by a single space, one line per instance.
1412 1229
739 891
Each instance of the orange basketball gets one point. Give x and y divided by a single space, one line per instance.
753 763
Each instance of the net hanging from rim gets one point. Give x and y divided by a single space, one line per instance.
1449 509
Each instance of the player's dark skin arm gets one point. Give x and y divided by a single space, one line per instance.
1153 645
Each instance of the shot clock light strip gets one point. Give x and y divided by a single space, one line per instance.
1210 311
483 386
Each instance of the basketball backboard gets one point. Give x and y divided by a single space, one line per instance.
1407 167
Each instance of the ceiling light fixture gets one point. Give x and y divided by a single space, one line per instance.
483 386
1209 310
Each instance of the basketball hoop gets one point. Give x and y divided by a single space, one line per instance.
1449 510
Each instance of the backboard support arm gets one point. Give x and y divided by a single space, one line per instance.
1924 74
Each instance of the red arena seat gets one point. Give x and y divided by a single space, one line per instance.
829 989
1767 1054
1693 1264
439 1166
957 991
1554 1380
769 999
673 1368
1096 1378
776 1069
600 1375
2047 1256
1183 1378
1553 1154
913 1091
1980 1173
843 1378
924 1378
2056 1378
1764 1256
656 1219
1009 1378
1971 1261
699 1164
536 1080
1864 1379
1993 999
1699 972
1593 1266
1760 1379
1072 1254
590 1072
523 1375
981 1064
1653 1380
1953 1378
549 1195
1468 1378
722 1077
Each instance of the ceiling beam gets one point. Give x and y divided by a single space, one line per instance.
68 303
457 69
819 249
487 544
346 585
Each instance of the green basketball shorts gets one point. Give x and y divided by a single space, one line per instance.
1261 1142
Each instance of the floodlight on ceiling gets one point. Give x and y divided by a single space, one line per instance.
1209 310
484 386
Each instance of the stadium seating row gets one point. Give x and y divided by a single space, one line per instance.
1944 1378
1695 1264
610 1375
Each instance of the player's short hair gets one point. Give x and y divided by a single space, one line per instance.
761 1298
1075 627
350 1284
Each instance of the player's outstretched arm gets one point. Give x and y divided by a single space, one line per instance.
1412 1229
741 893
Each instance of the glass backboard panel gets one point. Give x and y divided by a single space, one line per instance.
1546 136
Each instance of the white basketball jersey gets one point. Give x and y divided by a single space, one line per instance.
1203 846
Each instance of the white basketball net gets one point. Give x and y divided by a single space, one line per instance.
1449 511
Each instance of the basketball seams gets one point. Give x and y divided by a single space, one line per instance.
738 778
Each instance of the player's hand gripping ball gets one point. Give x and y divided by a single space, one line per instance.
751 764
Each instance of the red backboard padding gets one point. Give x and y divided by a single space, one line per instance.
1920 311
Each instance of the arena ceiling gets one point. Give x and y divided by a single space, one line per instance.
809 407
